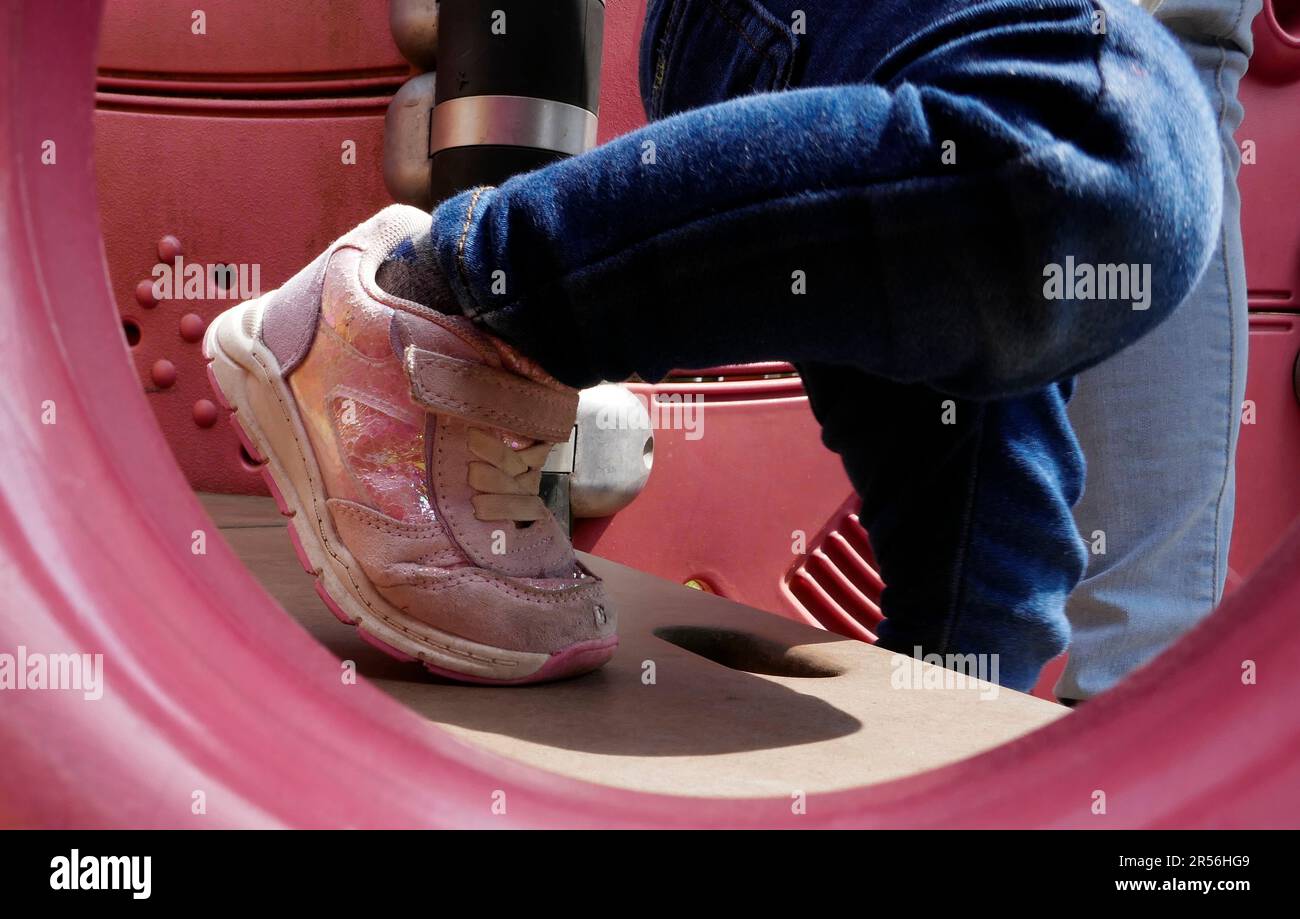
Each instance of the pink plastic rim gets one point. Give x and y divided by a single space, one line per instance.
219 691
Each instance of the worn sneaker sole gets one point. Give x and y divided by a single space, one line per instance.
246 379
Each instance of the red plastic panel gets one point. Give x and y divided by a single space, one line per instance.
260 185
254 144
231 142
247 42
1271 133
734 506
213 687
836 584
1268 453
620 94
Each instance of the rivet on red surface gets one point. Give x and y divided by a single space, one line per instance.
192 326
169 248
163 374
205 413
144 294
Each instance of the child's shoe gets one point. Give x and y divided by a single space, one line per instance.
407 445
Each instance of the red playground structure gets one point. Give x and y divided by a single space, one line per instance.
233 156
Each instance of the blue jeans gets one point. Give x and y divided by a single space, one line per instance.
1159 422
877 194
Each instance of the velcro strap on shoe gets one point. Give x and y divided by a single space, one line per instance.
490 396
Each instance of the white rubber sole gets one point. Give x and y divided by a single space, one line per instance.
247 376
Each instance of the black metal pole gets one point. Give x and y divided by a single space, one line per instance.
517 88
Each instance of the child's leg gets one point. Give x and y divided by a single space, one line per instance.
1159 423
919 229
968 505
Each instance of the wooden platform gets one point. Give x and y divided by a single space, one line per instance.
742 703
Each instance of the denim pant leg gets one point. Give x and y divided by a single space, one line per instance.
1159 422
902 227
968 505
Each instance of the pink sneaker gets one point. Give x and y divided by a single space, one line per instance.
406 446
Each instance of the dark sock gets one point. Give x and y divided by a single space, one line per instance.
412 273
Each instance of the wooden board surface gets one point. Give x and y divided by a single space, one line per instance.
767 706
